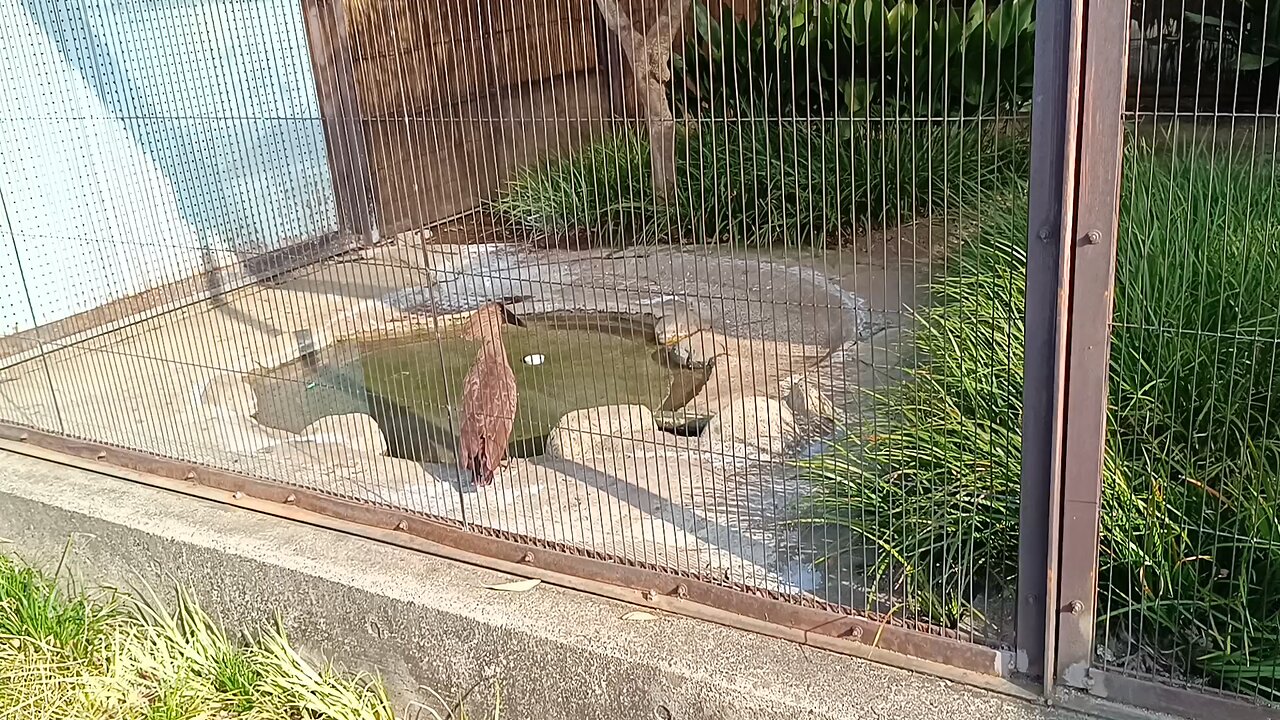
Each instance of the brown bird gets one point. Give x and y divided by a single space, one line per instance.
488 395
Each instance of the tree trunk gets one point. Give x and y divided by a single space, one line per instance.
649 54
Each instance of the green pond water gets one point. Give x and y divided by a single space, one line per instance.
413 387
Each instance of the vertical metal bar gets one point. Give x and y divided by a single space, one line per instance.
1103 79
334 74
1055 111
609 65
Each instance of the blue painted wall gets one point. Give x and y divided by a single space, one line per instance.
137 136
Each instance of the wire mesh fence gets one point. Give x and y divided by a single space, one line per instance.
734 290
711 230
764 217
1188 549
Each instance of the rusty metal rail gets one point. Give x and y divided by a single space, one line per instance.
811 622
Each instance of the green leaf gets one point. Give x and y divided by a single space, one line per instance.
1024 12
709 30
702 20
899 18
1000 25
868 22
951 33
854 23
799 14
977 16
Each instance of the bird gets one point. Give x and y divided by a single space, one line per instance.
489 396
688 338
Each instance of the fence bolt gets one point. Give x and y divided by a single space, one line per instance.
856 633
650 594
101 456
1076 607
528 558
402 526
1043 234
682 591
237 495
191 475
24 437
1093 237
291 499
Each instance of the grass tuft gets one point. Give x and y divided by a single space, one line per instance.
35 611
76 655
764 183
1190 541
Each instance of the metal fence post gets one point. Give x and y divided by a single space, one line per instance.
1092 275
1053 131
331 65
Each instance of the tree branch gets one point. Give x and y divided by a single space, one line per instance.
649 54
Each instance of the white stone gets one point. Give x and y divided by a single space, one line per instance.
356 431
229 393
806 397
756 421
601 431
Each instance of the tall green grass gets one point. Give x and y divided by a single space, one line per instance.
68 653
1190 544
765 183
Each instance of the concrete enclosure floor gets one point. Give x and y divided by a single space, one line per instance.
792 340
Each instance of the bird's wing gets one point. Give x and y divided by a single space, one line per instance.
471 434
473 387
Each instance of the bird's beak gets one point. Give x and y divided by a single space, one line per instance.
672 342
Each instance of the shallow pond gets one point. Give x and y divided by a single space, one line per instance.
412 387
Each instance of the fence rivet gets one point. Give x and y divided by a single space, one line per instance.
650 594
24 437
682 591
856 633
101 455
402 525
528 558
1093 237
237 495
1043 234
191 475
291 499
1076 607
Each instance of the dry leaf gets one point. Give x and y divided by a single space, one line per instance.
640 616
517 586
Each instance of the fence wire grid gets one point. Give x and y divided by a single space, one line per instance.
1189 560
733 289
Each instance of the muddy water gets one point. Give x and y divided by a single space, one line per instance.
412 387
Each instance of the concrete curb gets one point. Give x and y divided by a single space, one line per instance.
423 621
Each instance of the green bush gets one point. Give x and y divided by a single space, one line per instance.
859 58
1190 544
761 182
